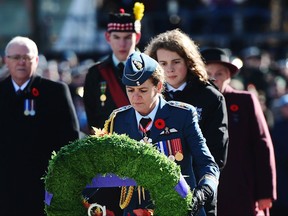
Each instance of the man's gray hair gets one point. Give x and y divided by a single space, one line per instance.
22 41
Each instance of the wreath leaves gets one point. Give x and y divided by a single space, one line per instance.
76 164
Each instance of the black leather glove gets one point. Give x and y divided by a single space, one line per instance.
201 195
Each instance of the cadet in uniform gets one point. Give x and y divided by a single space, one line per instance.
103 89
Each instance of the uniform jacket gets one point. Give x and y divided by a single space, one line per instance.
96 111
211 109
27 141
182 118
249 174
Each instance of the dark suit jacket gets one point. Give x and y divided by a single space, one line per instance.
249 174
27 141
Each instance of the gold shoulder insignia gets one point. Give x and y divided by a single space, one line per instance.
109 123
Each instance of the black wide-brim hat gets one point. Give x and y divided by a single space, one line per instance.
138 68
217 55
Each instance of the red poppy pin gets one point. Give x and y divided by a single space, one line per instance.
234 108
35 92
159 124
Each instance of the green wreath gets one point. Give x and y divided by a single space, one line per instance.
76 164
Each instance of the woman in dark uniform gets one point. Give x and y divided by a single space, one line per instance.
179 129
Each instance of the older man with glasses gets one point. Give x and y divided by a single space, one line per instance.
37 116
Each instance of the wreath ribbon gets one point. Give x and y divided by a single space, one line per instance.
112 180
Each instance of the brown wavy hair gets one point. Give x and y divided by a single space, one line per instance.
179 42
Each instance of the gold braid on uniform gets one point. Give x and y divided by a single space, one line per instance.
124 201
109 123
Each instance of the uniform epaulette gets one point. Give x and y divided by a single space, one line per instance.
108 126
121 109
180 105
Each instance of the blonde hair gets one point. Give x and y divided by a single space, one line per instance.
22 41
179 42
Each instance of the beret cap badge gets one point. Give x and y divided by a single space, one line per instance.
137 64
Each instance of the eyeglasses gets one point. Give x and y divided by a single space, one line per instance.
17 58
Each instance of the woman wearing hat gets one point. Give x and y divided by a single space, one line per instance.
248 183
187 81
173 123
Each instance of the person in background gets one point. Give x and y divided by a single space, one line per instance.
280 137
256 70
174 124
103 90
187 81
37 117
247 185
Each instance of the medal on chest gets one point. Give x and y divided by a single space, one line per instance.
171 148
29 107
146 131
103 98
30 102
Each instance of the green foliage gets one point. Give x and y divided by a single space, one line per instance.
76 164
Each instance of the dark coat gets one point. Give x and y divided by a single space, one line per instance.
280 142
27 141
96 111
197 161
213 120
249 174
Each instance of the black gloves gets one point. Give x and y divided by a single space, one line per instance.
201 195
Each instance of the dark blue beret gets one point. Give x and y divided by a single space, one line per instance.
138 68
